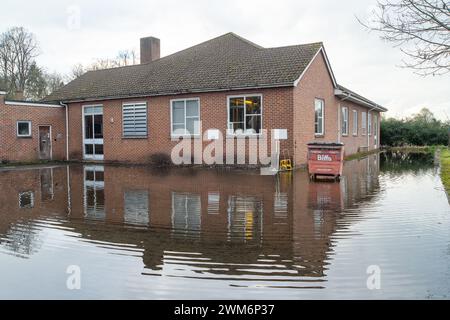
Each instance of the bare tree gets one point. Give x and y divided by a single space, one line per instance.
77 71
421 28
18 49
123 58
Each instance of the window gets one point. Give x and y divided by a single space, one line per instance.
244 114
318 120
363 123
344 121
24 128
375 129
134 119
185 117
26 199
369 123
355 122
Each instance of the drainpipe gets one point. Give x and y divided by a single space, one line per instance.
67 129
371 128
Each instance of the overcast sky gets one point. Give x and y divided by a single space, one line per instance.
71 32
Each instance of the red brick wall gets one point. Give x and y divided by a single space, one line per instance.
286 108
355 143
13 148
317 83
277 104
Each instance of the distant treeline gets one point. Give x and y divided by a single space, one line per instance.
423 129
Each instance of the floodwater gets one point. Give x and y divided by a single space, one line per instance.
135 233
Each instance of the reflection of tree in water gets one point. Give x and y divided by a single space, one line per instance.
402 162
22 239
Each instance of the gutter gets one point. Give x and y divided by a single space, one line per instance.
67 129
372 105
145 95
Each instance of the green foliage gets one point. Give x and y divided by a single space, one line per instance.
423 129
445 168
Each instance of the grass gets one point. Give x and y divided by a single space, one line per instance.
415 149
360 155
445 168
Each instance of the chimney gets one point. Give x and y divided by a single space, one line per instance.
150 49
2 95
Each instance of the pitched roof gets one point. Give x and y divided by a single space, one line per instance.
224 63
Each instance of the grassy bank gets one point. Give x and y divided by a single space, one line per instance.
360 155
415 149
445 168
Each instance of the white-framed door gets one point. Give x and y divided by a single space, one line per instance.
93 132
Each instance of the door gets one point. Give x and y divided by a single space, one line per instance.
93 132
45 143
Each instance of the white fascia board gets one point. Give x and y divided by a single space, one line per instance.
347 96
31 104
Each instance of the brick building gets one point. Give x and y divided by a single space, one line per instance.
228 83
31 131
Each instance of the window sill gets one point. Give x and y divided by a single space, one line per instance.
345 135
24 137
319 135
184 136
243 136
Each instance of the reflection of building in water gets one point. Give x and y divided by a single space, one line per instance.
186 212
94 192
27 195
136 207
245 216
230 219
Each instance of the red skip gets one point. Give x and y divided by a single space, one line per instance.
325 159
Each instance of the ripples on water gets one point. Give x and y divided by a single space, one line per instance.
136 233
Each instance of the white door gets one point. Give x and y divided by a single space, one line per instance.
93 132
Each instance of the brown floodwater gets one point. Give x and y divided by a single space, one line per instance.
140 233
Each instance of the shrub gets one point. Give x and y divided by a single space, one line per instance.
420 130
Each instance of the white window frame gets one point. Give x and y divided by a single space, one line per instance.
185 100
129 104
344 119
29 129
322 117
355 125
363 123
369 123
230 131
